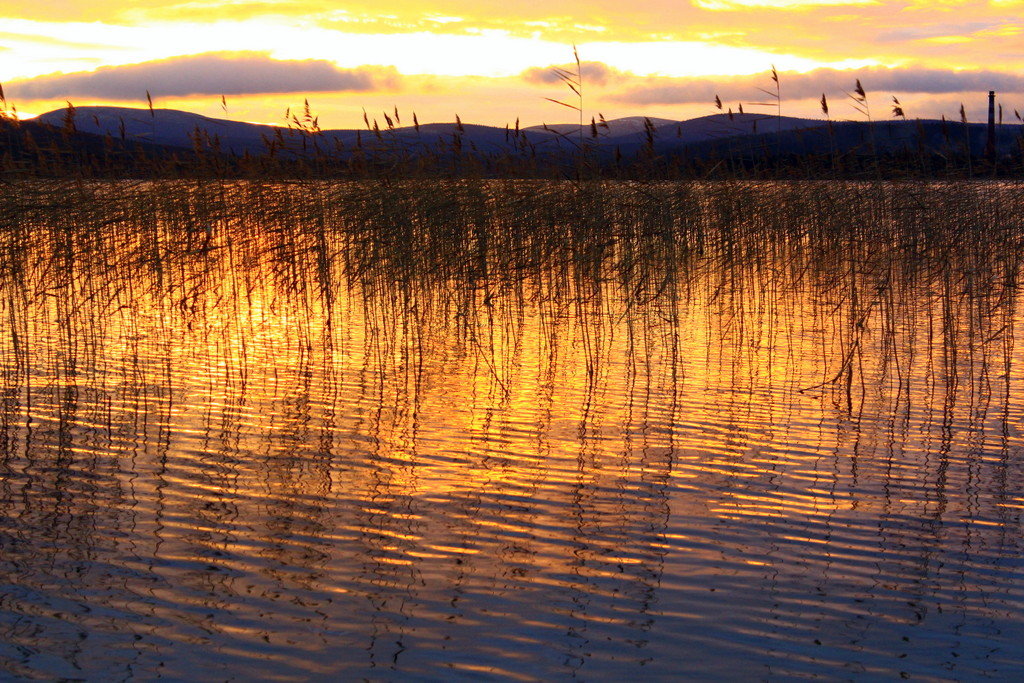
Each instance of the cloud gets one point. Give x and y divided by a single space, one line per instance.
594 73
814 83
734 5
213 73
963 29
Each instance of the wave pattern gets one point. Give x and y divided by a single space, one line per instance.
511 431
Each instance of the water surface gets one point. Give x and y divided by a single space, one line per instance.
511 431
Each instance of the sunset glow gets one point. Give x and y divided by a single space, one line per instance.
481 59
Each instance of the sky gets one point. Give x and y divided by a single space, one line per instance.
491 61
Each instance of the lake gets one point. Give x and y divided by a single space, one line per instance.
524 431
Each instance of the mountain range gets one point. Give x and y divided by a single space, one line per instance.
749 137
174 128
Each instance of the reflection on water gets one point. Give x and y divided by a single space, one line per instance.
510 430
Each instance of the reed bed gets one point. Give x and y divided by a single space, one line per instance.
457 256
226 391
879 304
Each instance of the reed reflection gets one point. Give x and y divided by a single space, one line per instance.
326 428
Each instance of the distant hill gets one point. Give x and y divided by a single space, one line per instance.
175 128
168 127
922 137
628 125
178 129
748 139
634 129
37 147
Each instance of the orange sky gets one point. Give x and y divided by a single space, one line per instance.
489 60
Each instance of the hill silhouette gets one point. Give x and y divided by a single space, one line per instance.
120 136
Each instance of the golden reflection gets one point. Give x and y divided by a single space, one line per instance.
402 398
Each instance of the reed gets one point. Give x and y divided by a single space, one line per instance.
456 250
301 149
